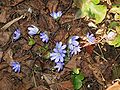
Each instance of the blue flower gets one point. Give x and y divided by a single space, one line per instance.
72 42
32 30
59 52
59 48
90 38
111 35
56 15
44 37
15 66
16 34
59 66
73 45
75 50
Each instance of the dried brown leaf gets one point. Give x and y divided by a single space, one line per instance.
49 78
8 56
40 88
52 5
66 85
4 38
3 16
115 86
5 84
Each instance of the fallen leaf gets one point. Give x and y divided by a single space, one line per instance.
5 84
3 16
66 85
8 56
4 38
16 2
89 49
52 5
115 86
41 87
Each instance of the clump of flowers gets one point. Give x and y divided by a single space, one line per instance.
58 55
16 34
15 66
44 37
32 30
56 15
90 38
73 45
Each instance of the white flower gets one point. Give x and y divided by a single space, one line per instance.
32 30
56 15
111 35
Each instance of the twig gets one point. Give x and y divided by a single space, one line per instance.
99 55
34 79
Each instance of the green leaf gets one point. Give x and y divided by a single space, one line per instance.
31 41
77 83
115 9
113 24
89 9
96 1
80 76
76 70
118 29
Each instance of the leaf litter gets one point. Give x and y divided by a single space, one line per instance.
37 72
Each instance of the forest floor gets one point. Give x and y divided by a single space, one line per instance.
100 64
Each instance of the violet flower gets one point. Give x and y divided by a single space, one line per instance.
44 37
56 15
111 35
59 66
32 30
90 38
59 53
15 66
16 34
72 42
73 45
75 50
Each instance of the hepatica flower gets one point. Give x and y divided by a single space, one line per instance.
73 45
16 34
75 50
56 15
15 66
59 66
90 38
59 53
111 35
72 42
32 30
44 37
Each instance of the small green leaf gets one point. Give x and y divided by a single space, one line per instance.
96 1
76 70
77 83
113 24
31 41
80 76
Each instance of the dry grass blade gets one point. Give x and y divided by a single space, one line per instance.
11 22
